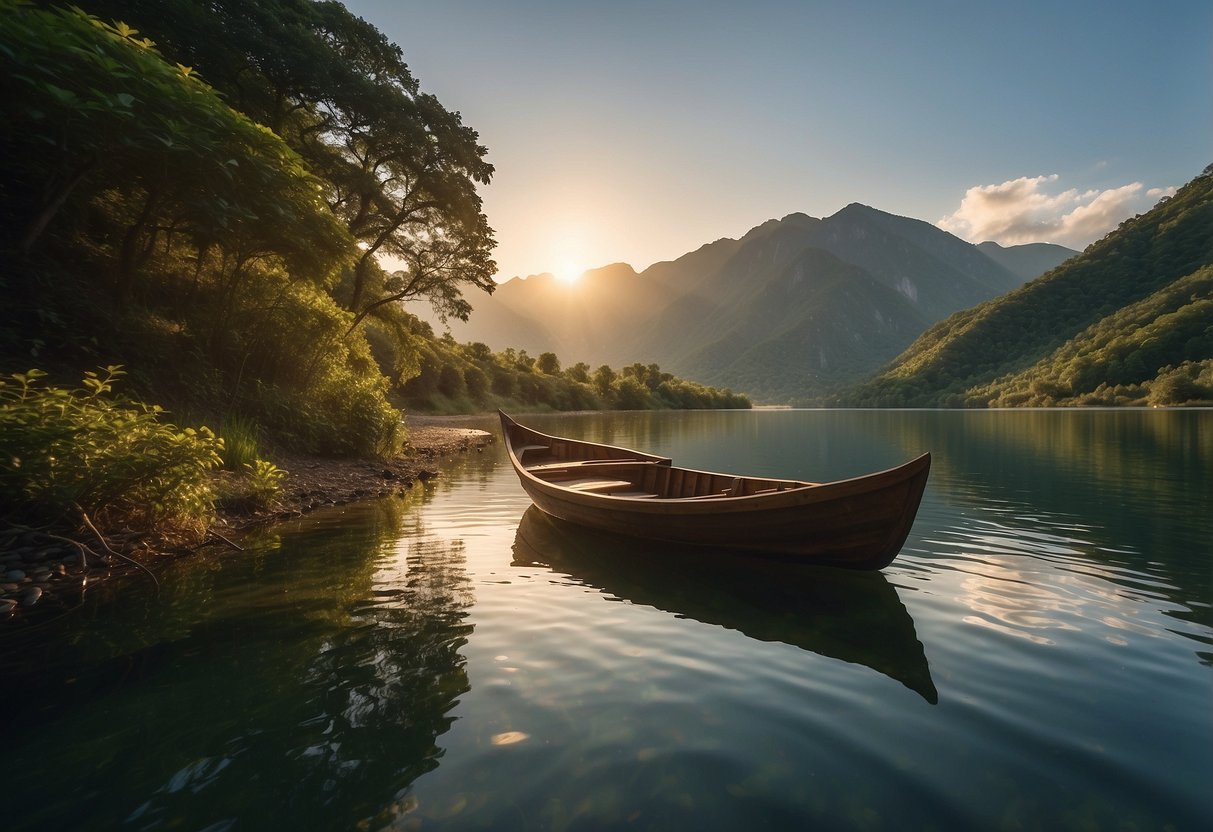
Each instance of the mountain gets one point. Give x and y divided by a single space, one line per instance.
1029 260
794 309
1128 321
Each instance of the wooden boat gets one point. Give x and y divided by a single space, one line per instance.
860 523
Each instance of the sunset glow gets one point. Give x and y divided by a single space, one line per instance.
645 157
568 273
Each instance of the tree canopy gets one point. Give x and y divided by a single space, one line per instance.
400 170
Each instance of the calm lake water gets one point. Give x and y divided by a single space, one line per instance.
1040 655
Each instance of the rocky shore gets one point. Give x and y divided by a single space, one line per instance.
38 564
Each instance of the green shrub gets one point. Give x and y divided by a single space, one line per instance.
63 452
264 481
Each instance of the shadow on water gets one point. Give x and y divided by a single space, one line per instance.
302 685
856 617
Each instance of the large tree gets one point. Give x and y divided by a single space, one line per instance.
401 171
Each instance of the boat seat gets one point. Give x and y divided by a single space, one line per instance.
596 484
557 466
522 449
635 495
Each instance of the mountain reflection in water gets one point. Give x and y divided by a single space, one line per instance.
853 616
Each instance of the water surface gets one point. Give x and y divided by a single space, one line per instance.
1040 655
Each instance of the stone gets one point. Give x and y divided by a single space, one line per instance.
14 575
7 605
31 596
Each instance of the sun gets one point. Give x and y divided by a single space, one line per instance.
568 273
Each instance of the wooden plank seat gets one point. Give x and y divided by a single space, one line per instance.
543 467
596 484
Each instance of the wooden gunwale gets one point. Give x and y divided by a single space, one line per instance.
860 522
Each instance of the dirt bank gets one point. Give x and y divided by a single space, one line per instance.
313 482
42 568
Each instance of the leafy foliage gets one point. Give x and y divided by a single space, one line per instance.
191 241
399 170
63 452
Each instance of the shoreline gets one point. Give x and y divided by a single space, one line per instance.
38 567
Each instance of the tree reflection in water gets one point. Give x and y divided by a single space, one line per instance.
303 685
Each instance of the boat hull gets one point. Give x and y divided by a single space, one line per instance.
860 523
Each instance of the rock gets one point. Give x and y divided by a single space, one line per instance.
14 575
7 605
7 587
31 596
389 474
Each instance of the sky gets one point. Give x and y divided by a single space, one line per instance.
638 131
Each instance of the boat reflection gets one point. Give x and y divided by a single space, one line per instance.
853 616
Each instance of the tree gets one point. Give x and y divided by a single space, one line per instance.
548 364
95 107
401 170
477 382
631 394
579 372
604 378
450 381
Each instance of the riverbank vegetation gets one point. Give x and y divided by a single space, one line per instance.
203 195
464 378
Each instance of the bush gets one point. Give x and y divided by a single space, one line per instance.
64 452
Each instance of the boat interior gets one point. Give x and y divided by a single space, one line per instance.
617 472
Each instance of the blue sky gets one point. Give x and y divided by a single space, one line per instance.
634 132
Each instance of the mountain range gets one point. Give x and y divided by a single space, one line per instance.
790 312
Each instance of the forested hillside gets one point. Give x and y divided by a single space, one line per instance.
1130 321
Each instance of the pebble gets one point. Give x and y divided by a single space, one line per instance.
14 575
7 605
31 596
7 587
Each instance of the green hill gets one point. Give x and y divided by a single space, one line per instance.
1129 321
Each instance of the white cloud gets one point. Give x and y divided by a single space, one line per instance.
1023 211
